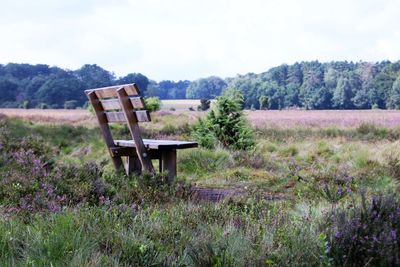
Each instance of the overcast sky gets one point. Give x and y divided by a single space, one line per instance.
185 39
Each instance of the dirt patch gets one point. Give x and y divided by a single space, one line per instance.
219 194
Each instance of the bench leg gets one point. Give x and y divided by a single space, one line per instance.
168 159
133 165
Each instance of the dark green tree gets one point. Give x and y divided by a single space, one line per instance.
8 92
394 99
141 81
204 104
210 88
94 76
225 125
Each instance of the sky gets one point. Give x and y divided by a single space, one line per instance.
187 39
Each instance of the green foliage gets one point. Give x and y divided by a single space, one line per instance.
152 103
71 104
263 100
60 212
308 85
394 99
366 234
54 86
26 104
205 88
168 89
226 125
204 104
202 161
43 106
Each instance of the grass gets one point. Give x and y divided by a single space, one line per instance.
86 214
180 104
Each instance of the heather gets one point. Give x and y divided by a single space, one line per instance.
301 196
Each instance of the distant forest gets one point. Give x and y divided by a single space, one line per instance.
307 85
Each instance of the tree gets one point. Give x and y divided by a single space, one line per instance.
343 94
206 88
141 81
70 104
8 90
394 98
94 76
225 125
60 88
263 100
204 104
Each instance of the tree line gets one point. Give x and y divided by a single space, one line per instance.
308 85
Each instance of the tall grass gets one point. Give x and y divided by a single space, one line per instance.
62 204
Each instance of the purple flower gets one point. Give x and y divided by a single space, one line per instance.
337 235
393 234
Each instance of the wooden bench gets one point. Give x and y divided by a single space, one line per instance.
123 104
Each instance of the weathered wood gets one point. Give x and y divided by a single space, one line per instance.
111 91
119 116
158 144
105 130
113 104
168 159
135 130
133 165
138 153
122 151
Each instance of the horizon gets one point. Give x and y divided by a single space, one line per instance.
182 40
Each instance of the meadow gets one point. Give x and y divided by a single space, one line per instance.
320 188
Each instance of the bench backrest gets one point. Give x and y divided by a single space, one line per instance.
121 104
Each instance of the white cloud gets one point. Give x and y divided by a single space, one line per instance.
180 39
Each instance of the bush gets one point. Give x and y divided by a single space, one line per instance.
71 104
367 234
26 104
225 125
43 106
153 103
204 104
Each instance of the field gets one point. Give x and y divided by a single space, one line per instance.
259 119
320 188
182 104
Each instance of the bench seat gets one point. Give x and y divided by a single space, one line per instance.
158 144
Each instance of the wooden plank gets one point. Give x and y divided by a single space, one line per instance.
119 116
168 159
112 104
158 144
105 130
133 165
111 91
119 151
135 130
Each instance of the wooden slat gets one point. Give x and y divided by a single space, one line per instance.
158 144
111 91
135 131
105 130
119 117
110 104
120 151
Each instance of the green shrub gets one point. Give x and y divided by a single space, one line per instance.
153 103
26 104
225 125
204 104
43 106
